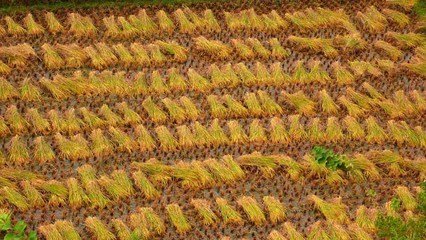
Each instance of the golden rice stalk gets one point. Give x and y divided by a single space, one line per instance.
81 26
4 129
396 131
229 75
167 141
52 59
118 185
337 231
98 229
342 75
315 132
204 210
213 47
33 28
296 130
16 121
350 42
185 25
33 196
397 17
7 90
361 67
70 122
419 100
262 74
74 55
176 112
318 45
90 118
154 222
197 81
363 168
386 65
140 230
29 92
244 51
320 170
154 111
392 160
317 74
217 134
95 195
407 39
245 74
38 123
421 135
317 231
210 22
372 19
404 103
292 233
180 53
300 75
4 68
257 132
237 134
300 102
407 199
124 56
235 108
362 100
14 198
353 109
277 51
43 151
202 135
158 173
268 104
252 209
278 132
275 235
74 148
353 127
372 91
95 57
158 84
328 105
229 214
127 29
267 164
176 80
13 27
276 209
192 175
365 218
390 108
393 52
53 25
406 4
76 196
106 53
178 219
50 232
144 139
122 140
359 233
191 110
101 145
140 54
123 232
129 116
143 183
417 66
333 211
57 190
227 170
164 22
67 230
18 150
112 118
375 133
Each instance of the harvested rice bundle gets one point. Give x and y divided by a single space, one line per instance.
327 103
178 219
392 161
229 214
315 131
7 90
98 229
50 232
140 54
122 140
167 141
17 123
127 29
317 45
292 233
397 17
210 22
262 74
275 235
213 48
29 92
106 53
242 49
74 148
118 185
334 210
218 136
38 123
43 152
18 150
393 52
296 130
407 39
365 218
81 26
180 54
197 81
53 25
333 132
155 112
408 201
33 28
237 134
300 102
185 25
155 54
57 190
257 132
406 4
67 230
226 170
417 66
252 209
245 74
4 68
13 27
51 57
74 55
353 109
361 67
176 112
176 80
18 55
278 51
354 128
4 130
386 65
331 177
350 42
317 73
276 209
235 108
278 132
204 210
375 133
33 195
164 22
123 54
259 49
154 222
268 104
373 20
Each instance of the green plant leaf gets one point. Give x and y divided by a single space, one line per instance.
20 227
5 223
11 236
32 235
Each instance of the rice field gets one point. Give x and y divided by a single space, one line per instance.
221 120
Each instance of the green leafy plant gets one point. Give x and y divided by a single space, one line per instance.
330 159
14 232
397 228
371 193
